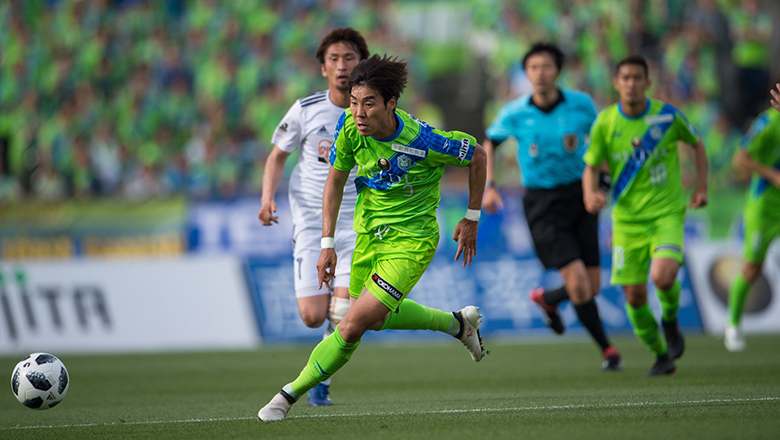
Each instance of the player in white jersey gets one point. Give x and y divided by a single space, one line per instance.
310 126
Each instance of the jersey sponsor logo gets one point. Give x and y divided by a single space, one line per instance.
668 247
283 127
408 150
387 287
619 258
533 150
570 142
464 149
323 150
659 119
404 162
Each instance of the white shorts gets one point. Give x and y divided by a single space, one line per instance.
306 253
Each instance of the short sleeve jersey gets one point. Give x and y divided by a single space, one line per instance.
310 125
398 177
550 145
643 160
762 143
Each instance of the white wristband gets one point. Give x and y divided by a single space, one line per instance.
473 214
327 243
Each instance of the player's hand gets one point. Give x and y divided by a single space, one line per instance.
491 201
775 101
326 267
266 214
699 198
594 201
466 236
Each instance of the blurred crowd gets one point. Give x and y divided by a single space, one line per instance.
141 99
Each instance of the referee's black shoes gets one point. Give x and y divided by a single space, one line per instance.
550 315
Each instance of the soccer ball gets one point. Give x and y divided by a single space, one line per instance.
40 381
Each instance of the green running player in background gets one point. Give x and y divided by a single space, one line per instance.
760 155
638 137
400 163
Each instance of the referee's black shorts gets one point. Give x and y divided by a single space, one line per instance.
562 230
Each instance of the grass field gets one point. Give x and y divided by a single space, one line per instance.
422 391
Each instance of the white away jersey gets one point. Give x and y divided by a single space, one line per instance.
310 125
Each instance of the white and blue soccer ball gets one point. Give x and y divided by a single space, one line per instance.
40 381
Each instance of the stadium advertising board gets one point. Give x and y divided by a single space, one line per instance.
105 228
95 305
713 267
498 284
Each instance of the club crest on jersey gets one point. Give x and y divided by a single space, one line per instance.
383 164
656 133
404 162
570 142
636 141
533 150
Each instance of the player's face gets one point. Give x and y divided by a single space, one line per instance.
631 82
542 71
340 59
372 116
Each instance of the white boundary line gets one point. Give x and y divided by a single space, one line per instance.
406 413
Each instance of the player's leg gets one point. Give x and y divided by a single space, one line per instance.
328 356
667 257
734 339
630 263
394 275
758 237
313 302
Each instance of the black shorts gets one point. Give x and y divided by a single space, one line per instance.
562 230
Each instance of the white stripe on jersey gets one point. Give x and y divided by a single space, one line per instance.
310 125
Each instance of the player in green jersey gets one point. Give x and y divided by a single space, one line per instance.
760 155
637 138
400 163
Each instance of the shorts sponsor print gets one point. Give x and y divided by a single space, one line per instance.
389 264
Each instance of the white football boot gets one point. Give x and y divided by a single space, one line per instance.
276 409
470 319
734 339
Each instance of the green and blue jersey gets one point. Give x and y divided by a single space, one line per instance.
398 177
642 155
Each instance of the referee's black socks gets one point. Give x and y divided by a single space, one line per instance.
553 297
589 317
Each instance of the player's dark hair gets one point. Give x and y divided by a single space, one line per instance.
343 35
549 48
384 74
633 60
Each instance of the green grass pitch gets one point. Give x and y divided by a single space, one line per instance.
426 391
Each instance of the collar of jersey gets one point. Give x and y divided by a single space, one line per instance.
394 135
647 109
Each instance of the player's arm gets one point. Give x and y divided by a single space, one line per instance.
593 197
745 161
775 101
274 168
492 201
699 196
331 202
466 230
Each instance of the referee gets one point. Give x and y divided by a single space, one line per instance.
551 127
